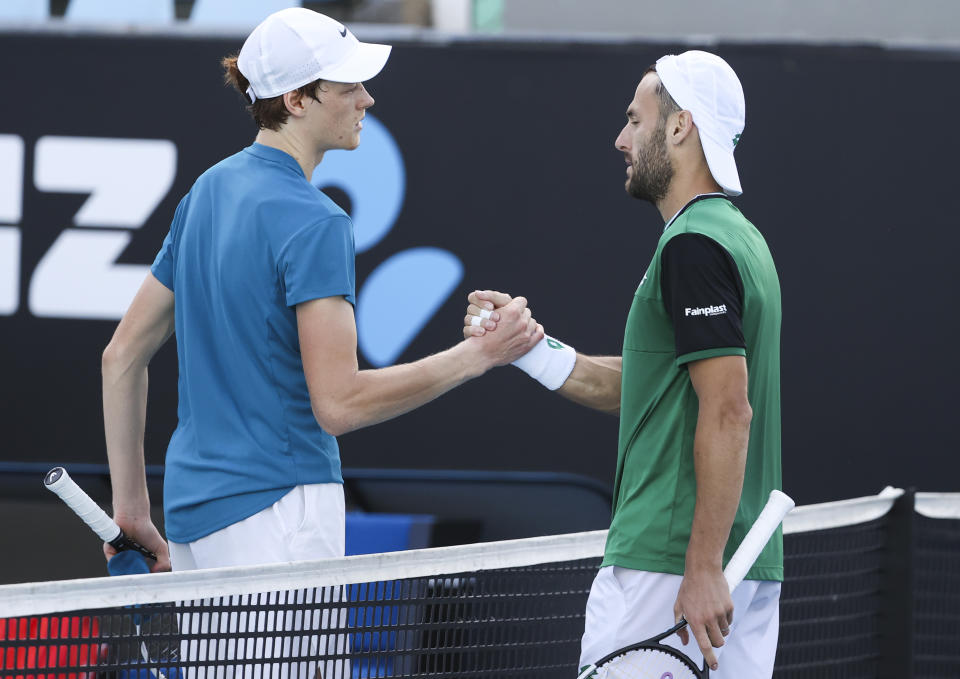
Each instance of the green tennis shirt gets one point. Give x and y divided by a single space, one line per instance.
655 486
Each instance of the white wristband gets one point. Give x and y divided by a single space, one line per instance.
550 362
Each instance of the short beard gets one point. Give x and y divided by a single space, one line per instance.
652 170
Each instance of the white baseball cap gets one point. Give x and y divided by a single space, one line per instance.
295 46
705 85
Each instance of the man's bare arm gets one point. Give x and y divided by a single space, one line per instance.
720 454
595 383
345 398
147 324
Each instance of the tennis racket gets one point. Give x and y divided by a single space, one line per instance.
58 481
652 659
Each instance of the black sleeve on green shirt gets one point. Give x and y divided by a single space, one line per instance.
702 293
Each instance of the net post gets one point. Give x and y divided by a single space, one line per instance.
896 625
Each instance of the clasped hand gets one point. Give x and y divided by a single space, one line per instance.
507 329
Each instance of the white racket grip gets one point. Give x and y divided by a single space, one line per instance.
60 483
777 507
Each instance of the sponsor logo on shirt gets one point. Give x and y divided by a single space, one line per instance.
705 310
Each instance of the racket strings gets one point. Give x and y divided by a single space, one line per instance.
646 663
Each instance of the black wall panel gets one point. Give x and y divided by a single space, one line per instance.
848 165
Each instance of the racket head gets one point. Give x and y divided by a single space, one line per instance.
655 661
651 659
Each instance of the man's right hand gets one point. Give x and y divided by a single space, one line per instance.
488 300
142 530
516 333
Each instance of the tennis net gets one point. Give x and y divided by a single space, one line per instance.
871 586
504 609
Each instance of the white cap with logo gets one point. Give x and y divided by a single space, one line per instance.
705 85
295 46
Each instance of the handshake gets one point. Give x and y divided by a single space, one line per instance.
504 328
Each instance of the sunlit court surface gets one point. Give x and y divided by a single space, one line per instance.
500 148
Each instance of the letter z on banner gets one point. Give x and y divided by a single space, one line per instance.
126 179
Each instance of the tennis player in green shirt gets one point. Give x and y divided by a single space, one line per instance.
697 388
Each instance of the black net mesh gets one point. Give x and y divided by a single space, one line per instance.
937 598
831 602
497 623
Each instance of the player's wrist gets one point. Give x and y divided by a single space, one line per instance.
474 360
701 562
134 512
550 362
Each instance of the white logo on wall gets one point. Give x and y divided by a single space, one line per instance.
126 180
78 277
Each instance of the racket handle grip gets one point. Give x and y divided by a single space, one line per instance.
58 481
777 507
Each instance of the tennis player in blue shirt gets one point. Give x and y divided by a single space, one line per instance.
256 277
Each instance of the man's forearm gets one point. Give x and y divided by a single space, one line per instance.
124 417
595 383
148 323
345 398
720 453
384 393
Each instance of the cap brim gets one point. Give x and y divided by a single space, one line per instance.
363 63
722 166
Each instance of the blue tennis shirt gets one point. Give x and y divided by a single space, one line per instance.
251 239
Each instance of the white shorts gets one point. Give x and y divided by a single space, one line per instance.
628 606
306 523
